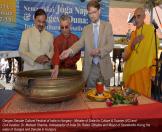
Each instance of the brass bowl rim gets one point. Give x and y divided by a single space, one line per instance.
49 78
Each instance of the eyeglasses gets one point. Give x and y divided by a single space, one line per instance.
94 12
64 27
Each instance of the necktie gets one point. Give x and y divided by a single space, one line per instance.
95 40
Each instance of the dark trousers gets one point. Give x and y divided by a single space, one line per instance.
8 75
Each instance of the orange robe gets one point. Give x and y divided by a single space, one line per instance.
139 68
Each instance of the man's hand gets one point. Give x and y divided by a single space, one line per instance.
55 71
42 59
137 40
94 52
65 54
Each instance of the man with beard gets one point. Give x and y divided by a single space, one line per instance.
36 45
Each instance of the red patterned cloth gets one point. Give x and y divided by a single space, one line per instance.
62 43
147 112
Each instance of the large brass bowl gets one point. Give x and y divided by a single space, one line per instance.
38 86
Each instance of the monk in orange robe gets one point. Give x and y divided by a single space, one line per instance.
139 56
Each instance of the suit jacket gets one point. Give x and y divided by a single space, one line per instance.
105 42
33 44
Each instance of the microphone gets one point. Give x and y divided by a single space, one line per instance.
132 20
155 24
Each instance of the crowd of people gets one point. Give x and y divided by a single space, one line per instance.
8 67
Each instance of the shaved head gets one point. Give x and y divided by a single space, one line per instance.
140 10
139 16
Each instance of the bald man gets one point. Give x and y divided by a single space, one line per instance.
139 56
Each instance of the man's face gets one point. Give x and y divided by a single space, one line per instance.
94 14
139 18
40 22
65 27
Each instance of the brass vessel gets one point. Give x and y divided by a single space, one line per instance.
37 85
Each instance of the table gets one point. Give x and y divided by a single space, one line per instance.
79 107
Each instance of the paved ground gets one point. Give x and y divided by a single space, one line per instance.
5 85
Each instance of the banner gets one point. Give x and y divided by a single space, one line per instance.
18 15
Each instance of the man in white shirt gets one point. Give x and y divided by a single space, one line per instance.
36 45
